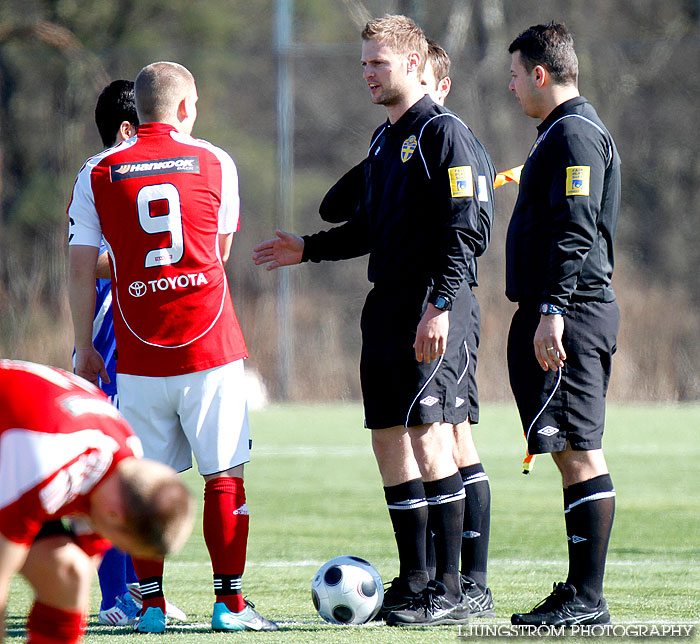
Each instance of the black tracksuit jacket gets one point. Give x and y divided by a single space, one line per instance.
425 208
559 247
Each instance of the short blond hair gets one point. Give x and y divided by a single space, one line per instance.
159 88
401 34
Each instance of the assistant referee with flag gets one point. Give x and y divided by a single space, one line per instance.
559 262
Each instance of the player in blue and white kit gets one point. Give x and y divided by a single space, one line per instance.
118 607
103 330
116 120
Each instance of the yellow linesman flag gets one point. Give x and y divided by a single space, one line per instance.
508 175
502 178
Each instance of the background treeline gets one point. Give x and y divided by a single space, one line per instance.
639 67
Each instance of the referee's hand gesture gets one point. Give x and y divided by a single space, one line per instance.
286 249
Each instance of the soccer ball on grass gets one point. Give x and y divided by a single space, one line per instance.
347 590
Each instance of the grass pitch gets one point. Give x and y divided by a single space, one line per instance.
314 493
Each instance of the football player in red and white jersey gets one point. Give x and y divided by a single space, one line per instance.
65 451
167 205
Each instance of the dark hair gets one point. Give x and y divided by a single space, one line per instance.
115 105
552 46
439 60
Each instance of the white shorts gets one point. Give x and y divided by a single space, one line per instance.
204 412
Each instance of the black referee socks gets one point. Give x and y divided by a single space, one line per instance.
589 508
408 510
477 523
446 509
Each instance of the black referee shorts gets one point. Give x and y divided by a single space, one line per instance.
473 338
567 405
397 390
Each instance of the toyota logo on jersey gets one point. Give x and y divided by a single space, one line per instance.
177 282
137 289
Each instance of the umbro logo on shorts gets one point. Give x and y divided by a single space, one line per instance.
459 401
429 401
470 534
548 431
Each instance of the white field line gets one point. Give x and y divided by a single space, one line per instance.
303 563
516 448
198 626
610 562
178 627
625 622
312 451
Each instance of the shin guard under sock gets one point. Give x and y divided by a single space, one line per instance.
408 511
49 625
150 574
446 507
226 524
589 509
477 523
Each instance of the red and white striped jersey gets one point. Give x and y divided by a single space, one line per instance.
59 437
160 200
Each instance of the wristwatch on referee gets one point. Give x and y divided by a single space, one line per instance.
551 309
441 303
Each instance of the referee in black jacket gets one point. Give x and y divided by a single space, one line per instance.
418 219
341 203
559 262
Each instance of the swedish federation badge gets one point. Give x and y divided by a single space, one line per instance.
578 180
408 147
